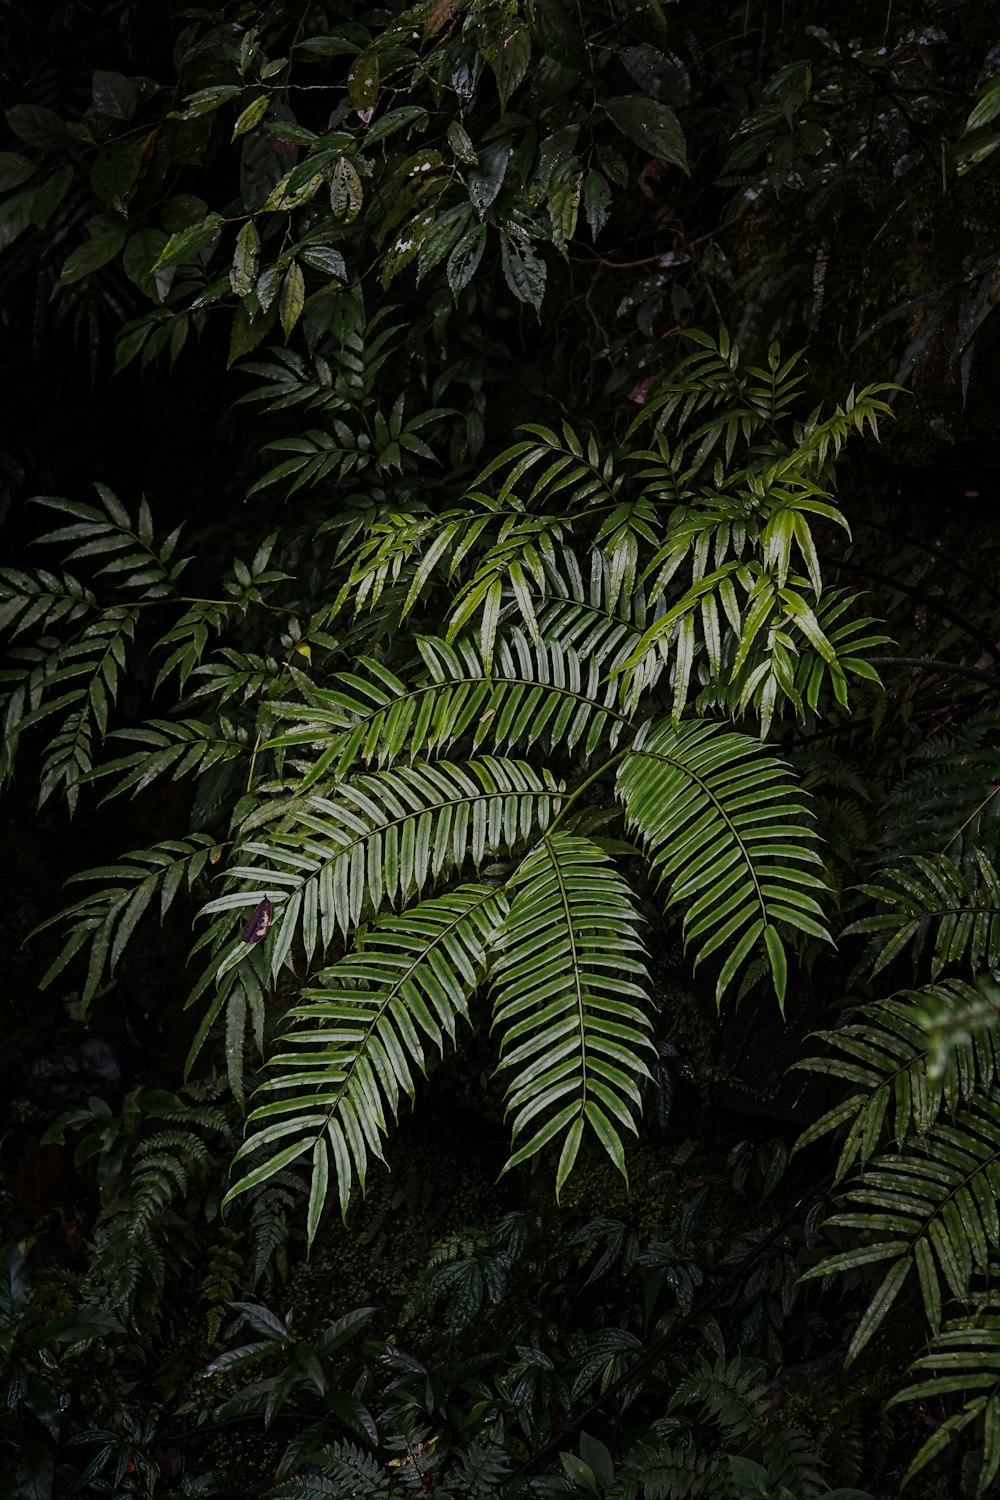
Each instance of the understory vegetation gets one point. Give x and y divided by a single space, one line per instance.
501 649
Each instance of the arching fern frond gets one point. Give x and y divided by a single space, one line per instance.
106 919
27 596
729 835
963 1360
585 613
548 693
382 837
588 617
514 567
884 1055
569 990
361 1033
579 472
76 680
710 376
932 1206
184 747
930 903
544 694
755 641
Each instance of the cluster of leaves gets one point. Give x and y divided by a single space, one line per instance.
536 1319
451 824
473 746
510 126
467 147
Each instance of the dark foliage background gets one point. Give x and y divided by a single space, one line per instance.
566 189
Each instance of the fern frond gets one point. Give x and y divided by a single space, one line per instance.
931 901
240 991
515 566
535 692
933 1206
346 1470
712 375
403 547
953 1023
109 534
268 1231
361 1034
728 833
77 680
579 472
673 1471
186 640
30 596
964 1360
797 655
483 1468
760 642
588 613
383 836
884 1055
734 1395
184 747
139 1234
949 799
569 989
108 917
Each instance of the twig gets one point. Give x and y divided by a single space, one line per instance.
934 664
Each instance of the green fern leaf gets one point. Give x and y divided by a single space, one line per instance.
569 991
964 1360
381 837
106 919
536 692
931 896
729 835
361 1034
932 1206
884 1055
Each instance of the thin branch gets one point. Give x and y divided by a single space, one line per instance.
935 664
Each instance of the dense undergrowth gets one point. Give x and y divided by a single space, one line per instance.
522 1016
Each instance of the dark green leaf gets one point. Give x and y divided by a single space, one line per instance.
651 125
243 275
191 243
38 127
511 64
141 253
114 171
326 259
251 116
465 257
48 196
486 180
14 170
523 270
292 298
107 236
114 95
362 85
596 201
345 191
